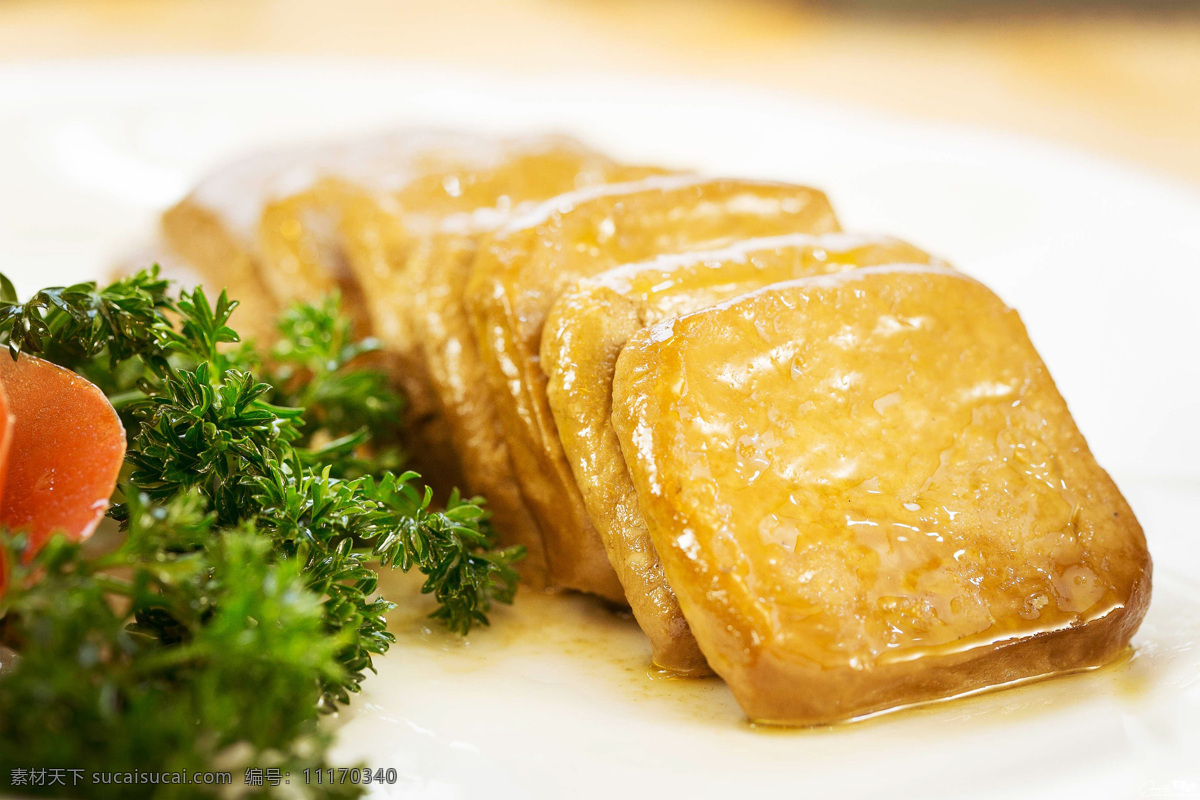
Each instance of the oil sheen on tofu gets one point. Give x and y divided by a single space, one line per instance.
586 330
867 492
521 270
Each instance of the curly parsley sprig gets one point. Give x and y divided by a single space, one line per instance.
188 647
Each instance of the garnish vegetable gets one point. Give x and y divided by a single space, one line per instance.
257 496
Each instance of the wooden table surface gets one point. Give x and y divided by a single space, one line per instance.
1127 86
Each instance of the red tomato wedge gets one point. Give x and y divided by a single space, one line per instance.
65 445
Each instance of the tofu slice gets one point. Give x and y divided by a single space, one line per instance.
304 246
521 270
867 492
402 247
430 279
584 334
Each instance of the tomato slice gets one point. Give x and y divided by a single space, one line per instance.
6 426
65 447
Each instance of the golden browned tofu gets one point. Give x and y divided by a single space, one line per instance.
522 269
584 334
867 492
465 183
430 280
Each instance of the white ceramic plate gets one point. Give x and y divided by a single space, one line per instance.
555 700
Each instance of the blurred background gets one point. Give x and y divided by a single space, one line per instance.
1120 79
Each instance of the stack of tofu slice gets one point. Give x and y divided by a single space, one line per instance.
826 466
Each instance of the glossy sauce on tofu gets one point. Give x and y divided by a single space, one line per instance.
867 491
427 285
585 332
521 270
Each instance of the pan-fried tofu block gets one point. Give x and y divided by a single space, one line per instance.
867 492
429 278
410 249
585 332
522 269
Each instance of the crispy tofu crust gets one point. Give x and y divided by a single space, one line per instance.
522 269
867 492
584 334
